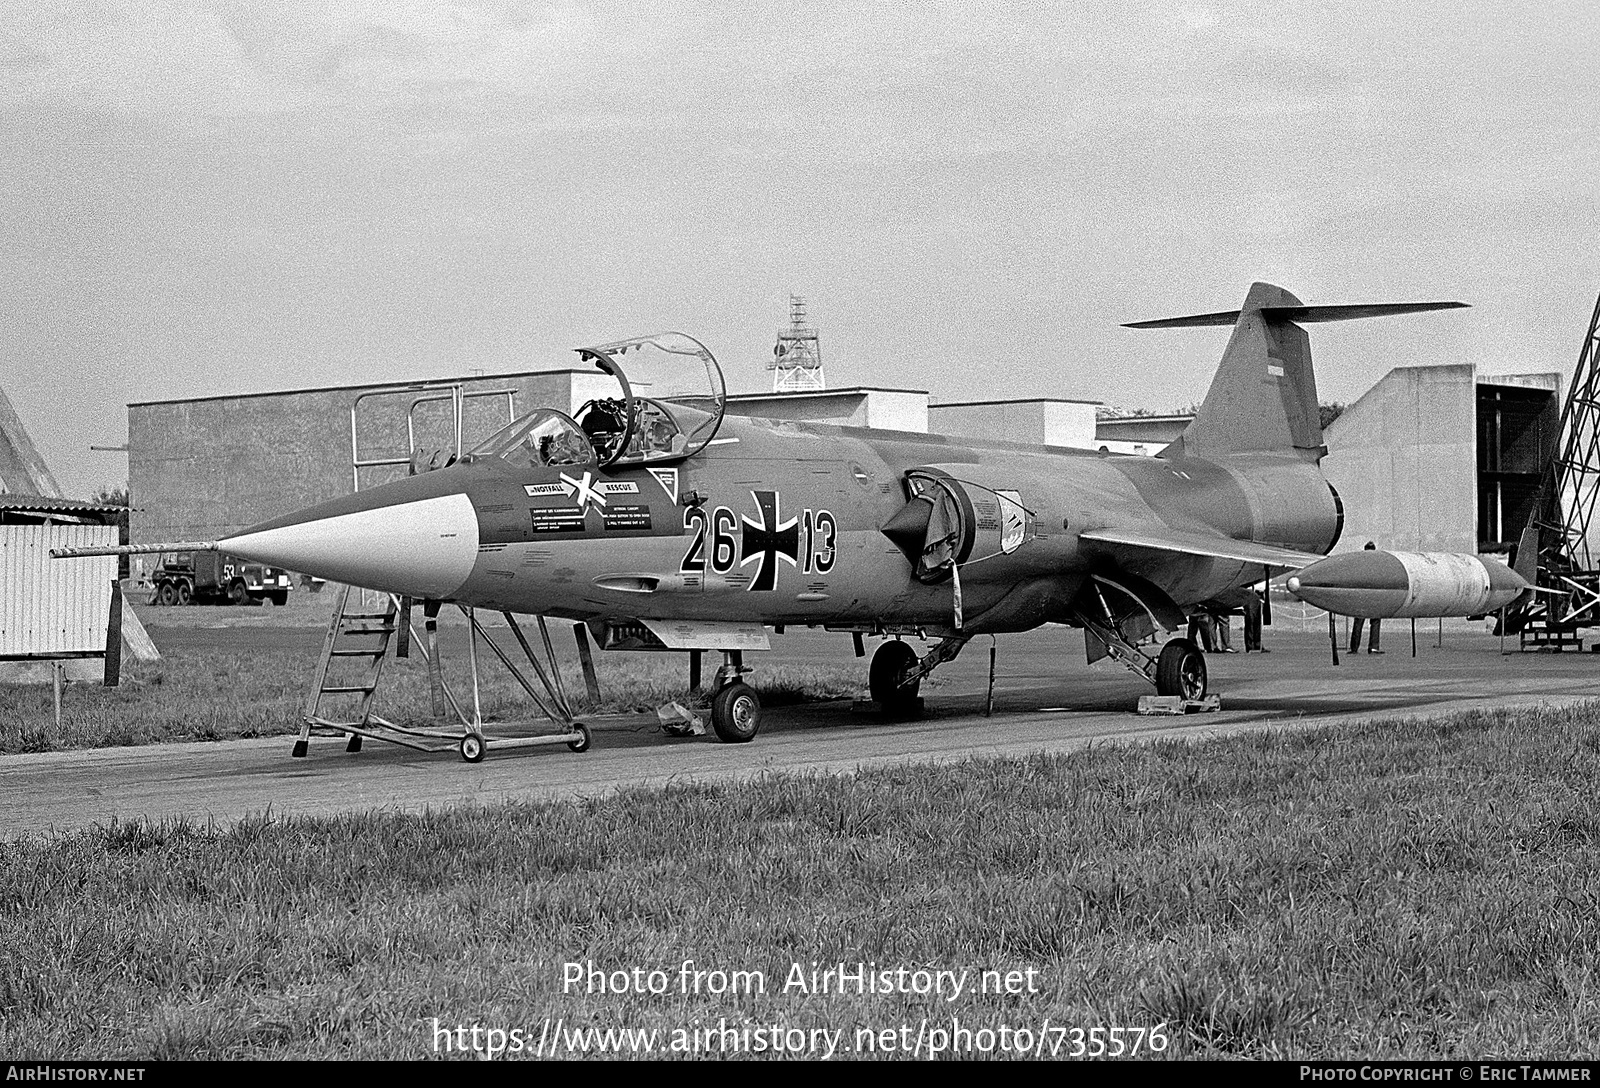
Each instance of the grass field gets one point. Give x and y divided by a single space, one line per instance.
1390 890
190 695
207 694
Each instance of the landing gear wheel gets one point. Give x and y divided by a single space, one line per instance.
891 662
472 748
185 593
237 594
581 744
167 595
736 713
1181 670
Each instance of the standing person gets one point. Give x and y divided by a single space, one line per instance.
1252 621
1222 622
1357 621
1200 632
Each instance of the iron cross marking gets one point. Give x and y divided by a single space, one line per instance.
768 541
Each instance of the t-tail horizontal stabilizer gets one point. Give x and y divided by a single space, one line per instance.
1303 315
1263 398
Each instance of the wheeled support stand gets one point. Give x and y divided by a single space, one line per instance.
365 637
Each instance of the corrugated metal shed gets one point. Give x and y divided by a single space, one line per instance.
46 505
49 607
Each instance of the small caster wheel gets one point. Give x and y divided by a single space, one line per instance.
300 747
581 744
472 748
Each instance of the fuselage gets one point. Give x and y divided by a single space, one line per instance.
781 523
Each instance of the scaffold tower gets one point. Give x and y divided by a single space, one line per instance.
797 357
1565 508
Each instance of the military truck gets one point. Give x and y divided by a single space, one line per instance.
216 578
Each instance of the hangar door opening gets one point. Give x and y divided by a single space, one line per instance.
1517 437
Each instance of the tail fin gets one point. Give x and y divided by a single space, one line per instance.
1264 395
1527 566
1527 562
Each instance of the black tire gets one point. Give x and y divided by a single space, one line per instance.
185 593
736 713
280 598
581 744
890 662
238 594
473 748
1181 670
167 594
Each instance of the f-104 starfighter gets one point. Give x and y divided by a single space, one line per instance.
664 523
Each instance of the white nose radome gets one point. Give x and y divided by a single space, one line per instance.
424 548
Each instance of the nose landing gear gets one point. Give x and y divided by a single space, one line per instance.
735 706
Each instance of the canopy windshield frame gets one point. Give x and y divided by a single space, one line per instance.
665 429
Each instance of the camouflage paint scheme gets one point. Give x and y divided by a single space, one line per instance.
819 541
661 523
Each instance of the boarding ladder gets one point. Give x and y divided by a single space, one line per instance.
350 665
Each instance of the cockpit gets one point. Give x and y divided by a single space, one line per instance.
665 406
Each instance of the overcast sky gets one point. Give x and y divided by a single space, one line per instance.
202 198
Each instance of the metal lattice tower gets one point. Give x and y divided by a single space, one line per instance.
797 356
1567 510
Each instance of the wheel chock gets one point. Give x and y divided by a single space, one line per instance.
1177 704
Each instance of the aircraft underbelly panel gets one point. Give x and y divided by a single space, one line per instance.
692 635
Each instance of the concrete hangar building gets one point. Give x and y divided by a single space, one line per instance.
1429 459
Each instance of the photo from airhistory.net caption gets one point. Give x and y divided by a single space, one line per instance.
752 1019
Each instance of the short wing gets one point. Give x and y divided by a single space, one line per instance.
1217 547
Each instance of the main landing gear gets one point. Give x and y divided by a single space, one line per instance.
1123 632
1181 670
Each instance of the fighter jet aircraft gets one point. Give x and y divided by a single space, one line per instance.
662 523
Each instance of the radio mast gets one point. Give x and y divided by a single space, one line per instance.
797 356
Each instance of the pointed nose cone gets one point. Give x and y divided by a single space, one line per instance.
398 538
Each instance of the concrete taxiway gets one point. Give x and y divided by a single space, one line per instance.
1046 700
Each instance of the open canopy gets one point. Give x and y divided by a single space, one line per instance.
666 405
